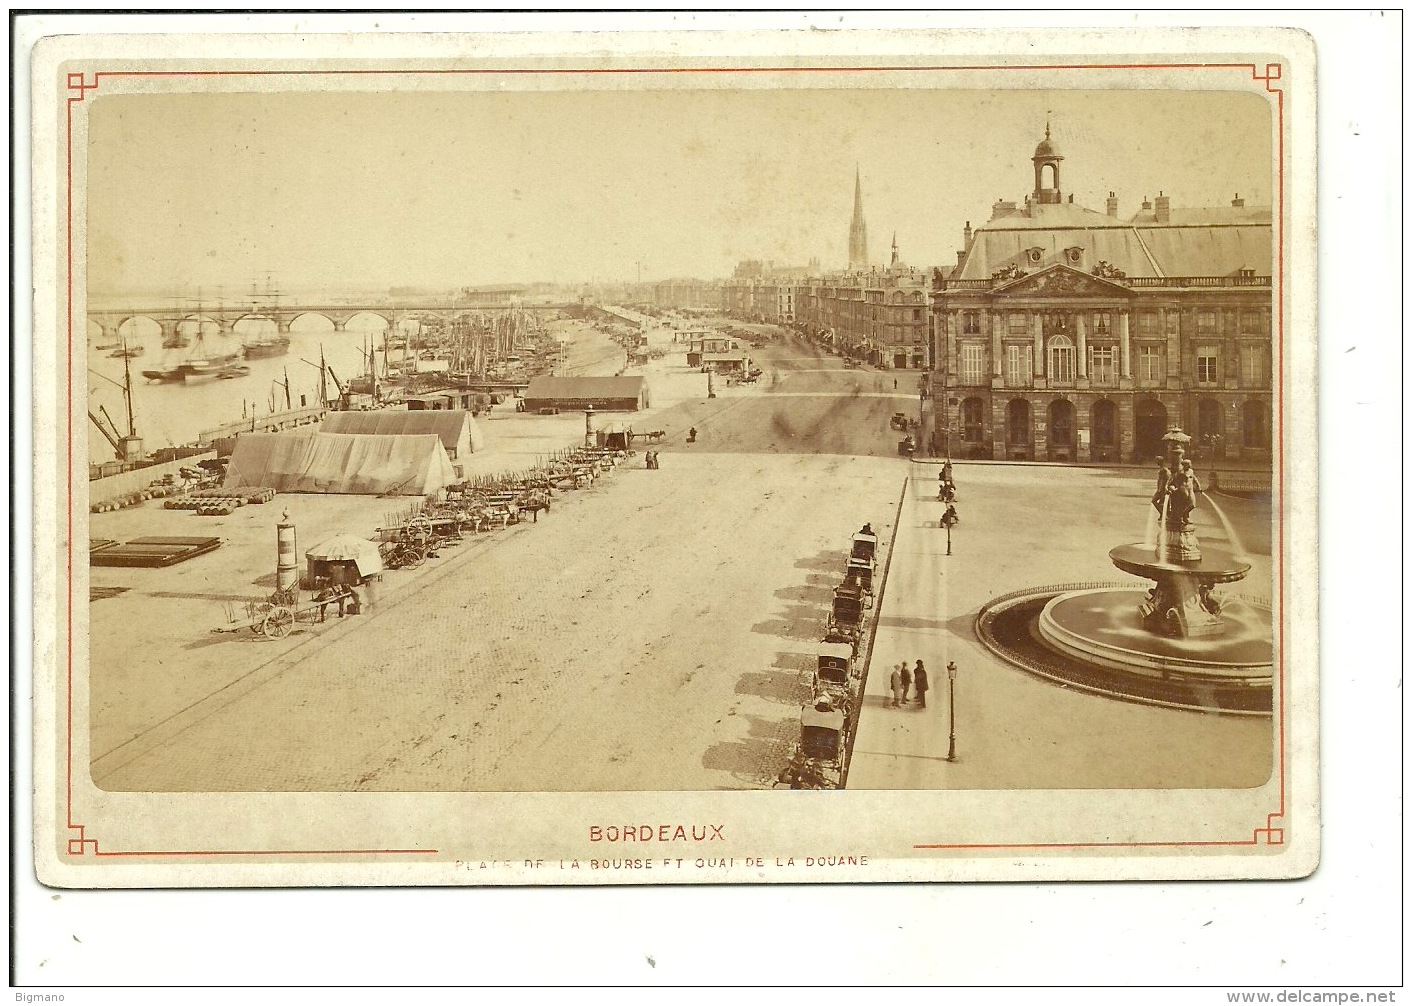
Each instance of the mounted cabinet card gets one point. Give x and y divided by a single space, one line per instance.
686 459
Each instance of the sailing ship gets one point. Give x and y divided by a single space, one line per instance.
199 365
266 346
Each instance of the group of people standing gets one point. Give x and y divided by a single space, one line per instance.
904 681
651 459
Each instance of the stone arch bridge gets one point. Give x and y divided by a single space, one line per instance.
109 318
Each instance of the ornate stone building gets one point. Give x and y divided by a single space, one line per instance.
1066 334
879 315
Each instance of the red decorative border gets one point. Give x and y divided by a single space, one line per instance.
1268 835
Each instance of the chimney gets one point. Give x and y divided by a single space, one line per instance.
1146 203
960 258
1071 198
1112 204
966 235
1237 201
1163 208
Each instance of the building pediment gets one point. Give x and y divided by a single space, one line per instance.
1061 281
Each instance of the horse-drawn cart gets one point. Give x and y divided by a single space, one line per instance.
276 620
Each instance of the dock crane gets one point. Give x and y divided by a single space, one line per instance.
129 447
325 371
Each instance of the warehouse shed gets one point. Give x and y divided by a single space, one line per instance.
604 394
458 430
357 464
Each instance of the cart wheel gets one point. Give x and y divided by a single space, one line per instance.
279 623
415 556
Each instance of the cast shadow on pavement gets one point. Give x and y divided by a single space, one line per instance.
794 660
760 756
833 561
798 621
781 686
183 595
818 594
900 622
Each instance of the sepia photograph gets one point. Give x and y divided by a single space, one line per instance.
704 454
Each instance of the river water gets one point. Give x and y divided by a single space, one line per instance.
170 414
167 415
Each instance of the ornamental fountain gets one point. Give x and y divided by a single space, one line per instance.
1177 644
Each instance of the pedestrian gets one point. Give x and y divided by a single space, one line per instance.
656 460
896 683
906 682
919 680
894 384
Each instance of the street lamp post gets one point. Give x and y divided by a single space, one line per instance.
951 682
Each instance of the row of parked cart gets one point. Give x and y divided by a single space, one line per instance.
491 504
339 565
828 719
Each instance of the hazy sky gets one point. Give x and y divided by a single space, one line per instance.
326 189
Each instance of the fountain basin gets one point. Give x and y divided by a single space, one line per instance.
1091 637
1103 627
1215 565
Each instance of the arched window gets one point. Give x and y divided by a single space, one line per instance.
1255 425
973 420
1210 425
1061 360
1018 421
1061 423
1104 420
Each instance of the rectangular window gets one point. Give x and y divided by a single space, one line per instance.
1206 321
1101 322
1019 323
1174 322
1253 370
1149 364
972 364
1208 373
1019 366
1252 321
1102 367
1147 323
971 322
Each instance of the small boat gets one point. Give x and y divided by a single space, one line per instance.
266 347
233 371
196 367
107 346
166 375
127 352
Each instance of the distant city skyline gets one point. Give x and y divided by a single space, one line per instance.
315 190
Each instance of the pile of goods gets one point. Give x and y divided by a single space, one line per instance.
218 502
157 490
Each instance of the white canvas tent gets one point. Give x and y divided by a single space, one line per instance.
459 433
333 463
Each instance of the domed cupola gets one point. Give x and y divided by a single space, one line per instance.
1046 182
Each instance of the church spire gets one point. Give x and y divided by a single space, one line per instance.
894 248
858 229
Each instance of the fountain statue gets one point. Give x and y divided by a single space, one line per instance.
1183 603
1177 643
